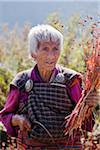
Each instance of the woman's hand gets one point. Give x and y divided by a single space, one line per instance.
22 122
93 99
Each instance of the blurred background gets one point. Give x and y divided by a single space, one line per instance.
74 18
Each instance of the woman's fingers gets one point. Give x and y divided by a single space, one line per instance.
27 125
24 124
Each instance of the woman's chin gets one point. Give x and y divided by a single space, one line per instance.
50 67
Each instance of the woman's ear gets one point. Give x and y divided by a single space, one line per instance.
34 56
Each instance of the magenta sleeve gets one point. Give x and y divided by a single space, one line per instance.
6 120
9 110
75 92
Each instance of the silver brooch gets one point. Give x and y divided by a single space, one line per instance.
59 78
29 85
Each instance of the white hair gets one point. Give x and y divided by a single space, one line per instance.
44 33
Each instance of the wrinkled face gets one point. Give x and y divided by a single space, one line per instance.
47 55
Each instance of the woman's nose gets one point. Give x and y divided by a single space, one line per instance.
51 54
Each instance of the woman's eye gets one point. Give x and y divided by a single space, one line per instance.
55 49
45 49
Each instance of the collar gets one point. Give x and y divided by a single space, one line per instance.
36 76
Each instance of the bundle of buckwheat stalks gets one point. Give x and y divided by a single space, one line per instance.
91 83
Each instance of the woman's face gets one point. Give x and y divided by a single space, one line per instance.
47 55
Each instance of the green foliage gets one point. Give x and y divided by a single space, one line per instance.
13 48
14 56
55 21
5 78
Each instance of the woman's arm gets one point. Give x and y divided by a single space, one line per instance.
9 110
75 90
8 115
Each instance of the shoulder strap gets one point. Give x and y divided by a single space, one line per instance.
69 74
21 78
71 77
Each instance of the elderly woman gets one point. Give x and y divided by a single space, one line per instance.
40 98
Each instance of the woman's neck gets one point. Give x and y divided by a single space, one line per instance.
45 74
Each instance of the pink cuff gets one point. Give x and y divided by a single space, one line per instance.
12 131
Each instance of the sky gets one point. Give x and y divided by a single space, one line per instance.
37 11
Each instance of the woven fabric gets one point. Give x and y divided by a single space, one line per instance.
48 104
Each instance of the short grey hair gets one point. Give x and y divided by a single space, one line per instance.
44 33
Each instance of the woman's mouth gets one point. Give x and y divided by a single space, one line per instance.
50 63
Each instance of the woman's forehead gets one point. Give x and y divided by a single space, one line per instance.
55 43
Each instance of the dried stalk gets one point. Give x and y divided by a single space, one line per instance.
92 81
